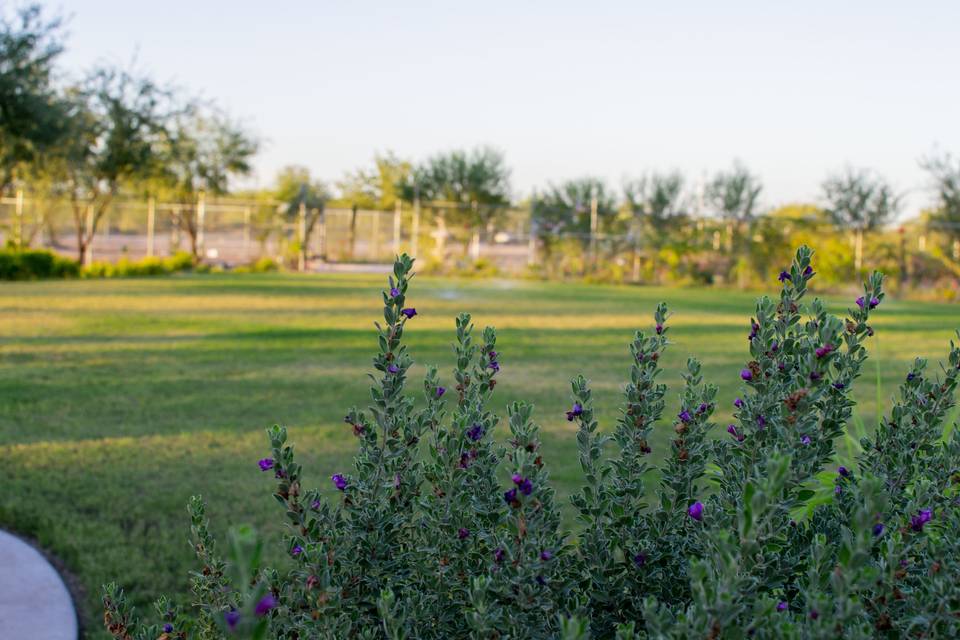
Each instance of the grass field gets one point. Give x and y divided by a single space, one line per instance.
121 398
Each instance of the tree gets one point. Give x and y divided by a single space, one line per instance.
116 135
945 172
860 201
303 198
32 113
656 202
376 188
568 208
205 152
468 188
734 195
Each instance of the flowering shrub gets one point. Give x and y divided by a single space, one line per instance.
443 530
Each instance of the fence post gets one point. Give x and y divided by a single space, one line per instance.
151 221
475 238
397 212
322 250
201 218
594 223
88 256
532 240
246 234
302 235
415 228
18 220
375 236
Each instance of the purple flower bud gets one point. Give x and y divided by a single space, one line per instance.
761 421
815 375
315 505
843 471
839 386
392 368
494 365
860 302
640 559
394 292
702 408
441 391
297 550
878 529
463 533
746 374
695 511
266 464
526 487
738 403
231 617
684 416
838 490
168 628
784 275
263 607
409 312
659 329
575 412
808 271
911 376
339 481
732 430
805 440
492 355
874 302
510 496
923 517
546 555
782 606
814 614
516 478
475 432
774 347
498 555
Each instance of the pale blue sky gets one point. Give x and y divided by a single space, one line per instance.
609 89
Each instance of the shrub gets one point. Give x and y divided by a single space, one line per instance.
152 266
35 264
440 531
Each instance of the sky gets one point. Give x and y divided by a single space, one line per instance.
794 90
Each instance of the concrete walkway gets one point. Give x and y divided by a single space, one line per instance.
34 602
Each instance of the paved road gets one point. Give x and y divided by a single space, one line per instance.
34 602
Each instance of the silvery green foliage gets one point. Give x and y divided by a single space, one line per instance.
446 526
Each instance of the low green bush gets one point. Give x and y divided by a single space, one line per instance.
35 264
442 530
153 266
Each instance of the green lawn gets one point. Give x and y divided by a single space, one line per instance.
121 398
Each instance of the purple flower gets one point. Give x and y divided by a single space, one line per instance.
263 607
732 430
754 328
923 517
805 440
761 421
860 302
843 471
315 505
640 559
168 628
475 432
814 614
784 275
659 329
463 533
839 386
498 555
838 490
878 529
494 365
738 403
824 350
297 550
815 375
546 555
266 464
911 376
516 478
874 302
339 481
231 617
441 391
409 312
393 368
526 487
684 416
782 606
746 374
702 408
808 271
774 347
695 511
574 412
394 292
510 496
